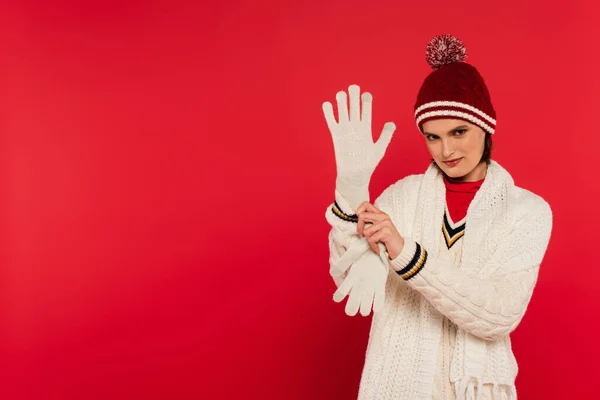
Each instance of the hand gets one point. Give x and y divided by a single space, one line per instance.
356 155
365 282
382 229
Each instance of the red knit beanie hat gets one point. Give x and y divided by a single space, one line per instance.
454 89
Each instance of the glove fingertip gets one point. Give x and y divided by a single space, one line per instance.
366 303
351 309
353 88
389 127
337 296
386 136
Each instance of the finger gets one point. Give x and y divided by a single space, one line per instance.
382 255
351 255
378 237
343 290
366 206
365 217
354 92
367 108
333 271
366 301
380 234
360 226
342 104
329 117
373 245
376 227
353 303
373 216
379 299
385 137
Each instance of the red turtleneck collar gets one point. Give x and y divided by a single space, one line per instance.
459 195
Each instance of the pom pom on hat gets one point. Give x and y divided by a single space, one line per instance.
443 50
454 89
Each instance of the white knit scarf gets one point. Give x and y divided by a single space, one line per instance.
487 222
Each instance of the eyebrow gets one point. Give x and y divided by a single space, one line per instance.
450 131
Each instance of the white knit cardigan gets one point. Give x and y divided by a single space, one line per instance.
507 232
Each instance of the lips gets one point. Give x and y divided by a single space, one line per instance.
453 163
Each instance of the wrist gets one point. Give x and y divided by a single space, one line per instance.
393 253
355 195
404 257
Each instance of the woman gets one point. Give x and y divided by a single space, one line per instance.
447 259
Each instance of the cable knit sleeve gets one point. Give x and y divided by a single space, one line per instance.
489 308
343 222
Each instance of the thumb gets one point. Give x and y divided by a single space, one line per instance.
386 137
351 255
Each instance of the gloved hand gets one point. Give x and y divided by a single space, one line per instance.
366 278
356 155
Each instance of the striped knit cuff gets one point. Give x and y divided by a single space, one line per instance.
410 261
341 209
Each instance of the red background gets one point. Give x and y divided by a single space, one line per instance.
166 168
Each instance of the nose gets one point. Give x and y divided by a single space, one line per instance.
447 147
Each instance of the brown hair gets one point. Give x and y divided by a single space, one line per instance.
487 149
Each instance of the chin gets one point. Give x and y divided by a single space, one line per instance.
453 173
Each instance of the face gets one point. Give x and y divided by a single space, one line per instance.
456 147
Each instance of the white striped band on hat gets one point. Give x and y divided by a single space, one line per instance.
456 109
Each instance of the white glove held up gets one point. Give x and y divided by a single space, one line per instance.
356 155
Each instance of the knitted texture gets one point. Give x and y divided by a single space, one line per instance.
364 284
443 50
443 388
454 89
485 296
356 155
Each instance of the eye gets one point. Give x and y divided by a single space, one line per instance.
431 138
460 132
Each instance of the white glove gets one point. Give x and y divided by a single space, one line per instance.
356 155
366 278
